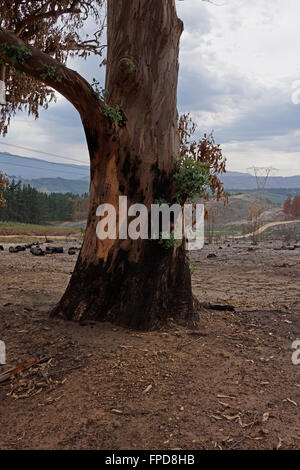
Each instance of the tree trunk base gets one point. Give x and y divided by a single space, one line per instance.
144 295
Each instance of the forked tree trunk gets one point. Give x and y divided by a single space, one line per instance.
139 284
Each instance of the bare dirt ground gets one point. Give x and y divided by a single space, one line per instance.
266 227
229 385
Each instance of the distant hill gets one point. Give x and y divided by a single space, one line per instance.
234 180
32 168
276 196
63 177
59 185
238 207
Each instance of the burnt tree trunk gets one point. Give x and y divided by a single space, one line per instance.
139 284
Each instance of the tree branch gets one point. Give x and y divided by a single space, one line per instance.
64 80
49 14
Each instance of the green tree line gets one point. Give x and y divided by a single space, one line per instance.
25 204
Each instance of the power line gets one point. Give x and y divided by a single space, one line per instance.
262 176
46 169
44 153
75 167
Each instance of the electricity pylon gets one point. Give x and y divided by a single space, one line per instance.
261 176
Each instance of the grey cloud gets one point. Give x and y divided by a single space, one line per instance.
195 16
261 120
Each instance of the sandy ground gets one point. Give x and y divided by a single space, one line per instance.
229 385
266 227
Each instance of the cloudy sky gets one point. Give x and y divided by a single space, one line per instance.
238 62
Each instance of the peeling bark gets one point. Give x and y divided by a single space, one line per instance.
135 283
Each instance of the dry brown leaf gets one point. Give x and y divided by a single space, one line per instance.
280 442
151 353
230 417
244 425
217 418
292 402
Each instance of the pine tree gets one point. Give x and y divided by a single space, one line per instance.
2 187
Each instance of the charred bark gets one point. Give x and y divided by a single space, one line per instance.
141 295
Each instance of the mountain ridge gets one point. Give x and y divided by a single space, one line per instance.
19 167
49 176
